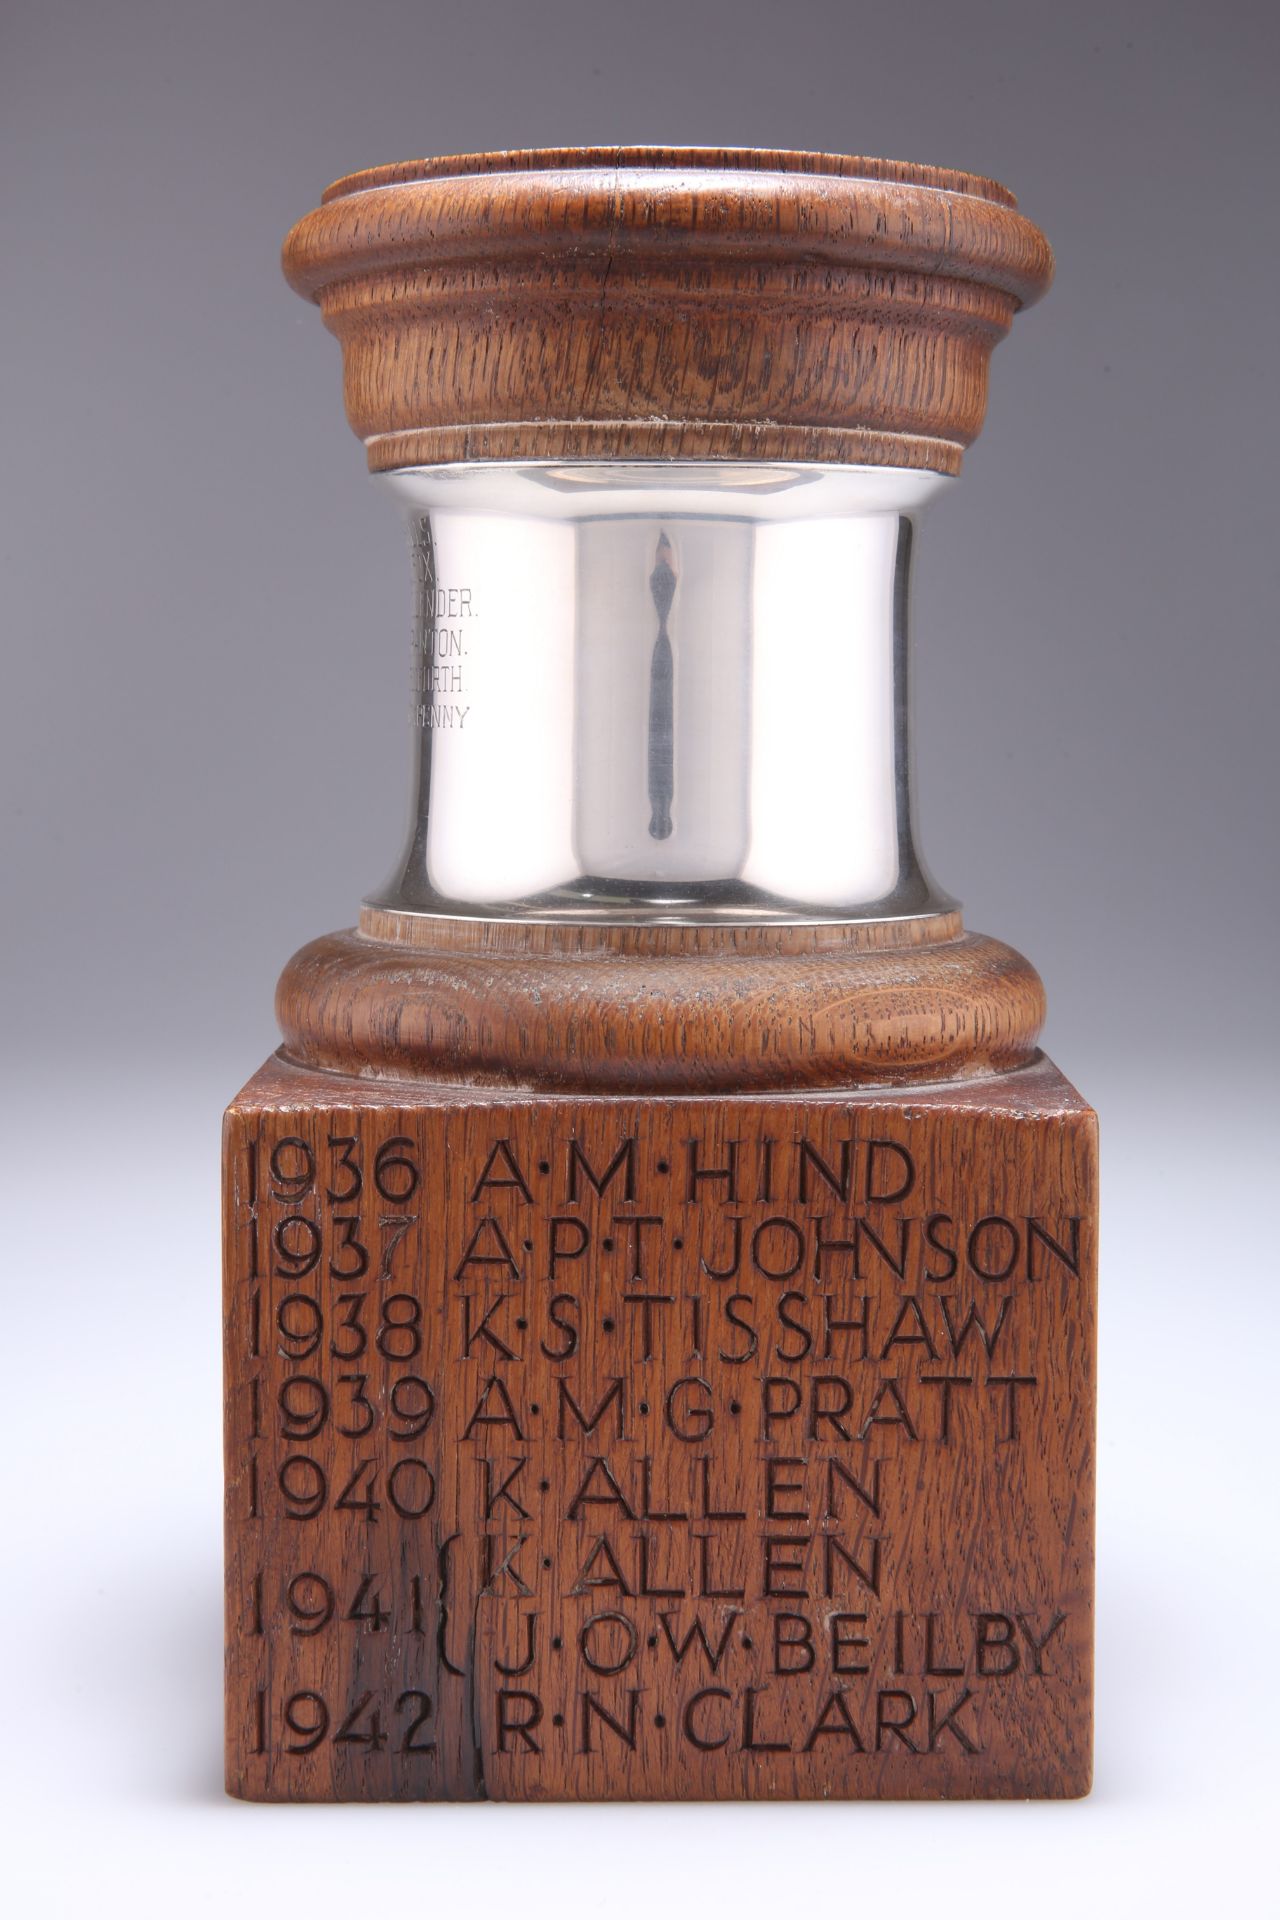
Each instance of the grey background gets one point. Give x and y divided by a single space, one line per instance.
207 600
203 764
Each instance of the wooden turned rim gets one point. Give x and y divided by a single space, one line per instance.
666 303
615 1010
671 159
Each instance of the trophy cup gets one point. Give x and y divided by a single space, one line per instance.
660 1289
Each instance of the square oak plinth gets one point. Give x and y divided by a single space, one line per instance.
609 1448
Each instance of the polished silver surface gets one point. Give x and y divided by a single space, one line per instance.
666 691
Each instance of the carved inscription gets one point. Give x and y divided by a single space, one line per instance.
636 1452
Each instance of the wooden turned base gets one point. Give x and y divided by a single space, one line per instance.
685 1009
648 1445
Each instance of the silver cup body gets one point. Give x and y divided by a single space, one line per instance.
662 691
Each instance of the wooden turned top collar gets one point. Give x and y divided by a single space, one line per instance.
666 303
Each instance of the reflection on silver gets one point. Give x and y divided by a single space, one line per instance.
664 691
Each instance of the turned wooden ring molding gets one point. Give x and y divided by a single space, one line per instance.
692 1010
663 303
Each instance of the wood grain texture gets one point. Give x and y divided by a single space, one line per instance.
614 1448
681 1009
644 303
